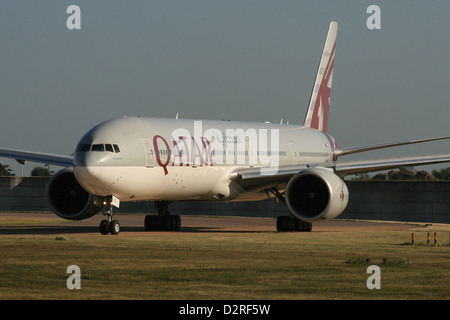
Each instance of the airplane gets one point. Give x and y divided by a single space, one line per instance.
164 160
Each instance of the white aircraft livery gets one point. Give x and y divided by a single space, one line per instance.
165 160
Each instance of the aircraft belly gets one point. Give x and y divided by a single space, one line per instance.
180 183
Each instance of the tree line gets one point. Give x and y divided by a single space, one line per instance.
422 175
441 174
6 171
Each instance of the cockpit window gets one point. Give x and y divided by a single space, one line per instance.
113 148
84 147
109 147
98 147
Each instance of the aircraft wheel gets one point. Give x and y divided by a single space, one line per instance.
176 222
300 225
287 223
148 223
104 227
162 223
307 226
114 227
152 223
284 223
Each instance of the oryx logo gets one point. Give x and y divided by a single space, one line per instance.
342 194
210 147
319 119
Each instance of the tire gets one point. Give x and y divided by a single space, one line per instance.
104 227
176 223
152 223
148 223
162 223
114 227
284 223
301 226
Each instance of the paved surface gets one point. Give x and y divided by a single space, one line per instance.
47 223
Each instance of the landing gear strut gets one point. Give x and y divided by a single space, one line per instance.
164 221
110 225
289 223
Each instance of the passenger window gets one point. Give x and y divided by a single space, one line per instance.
116 148
98 147
84 147
109 148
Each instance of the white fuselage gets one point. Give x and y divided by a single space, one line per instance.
136 158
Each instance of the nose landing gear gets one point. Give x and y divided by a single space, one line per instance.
110 225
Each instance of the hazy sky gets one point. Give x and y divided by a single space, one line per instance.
223 59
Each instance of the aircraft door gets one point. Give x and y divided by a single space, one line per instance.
149 153
250 153
294 152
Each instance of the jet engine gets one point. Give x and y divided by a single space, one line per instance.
316 194
68 199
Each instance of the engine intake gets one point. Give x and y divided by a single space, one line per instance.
68 199
316 194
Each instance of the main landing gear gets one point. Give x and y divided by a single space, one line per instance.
289 223
164 221
110 225
292 223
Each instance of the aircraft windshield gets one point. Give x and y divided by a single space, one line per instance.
113 148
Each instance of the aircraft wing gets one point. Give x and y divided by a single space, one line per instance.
363 166
47 158
353 150
253 179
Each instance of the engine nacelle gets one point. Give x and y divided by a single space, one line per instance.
68 199
316 194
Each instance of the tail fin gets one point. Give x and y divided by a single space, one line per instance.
319 103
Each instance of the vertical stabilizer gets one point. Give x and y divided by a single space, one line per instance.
319 103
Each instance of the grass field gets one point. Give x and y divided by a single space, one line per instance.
225 265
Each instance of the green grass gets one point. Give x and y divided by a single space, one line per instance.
20 221
169 265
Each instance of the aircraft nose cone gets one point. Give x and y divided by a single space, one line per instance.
88 170
88 173
90 159
90 179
